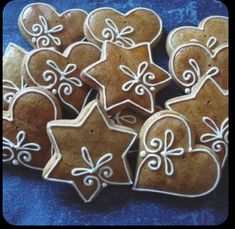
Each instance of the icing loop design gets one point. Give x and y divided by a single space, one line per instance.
9 85
162 150
23 150
118 37
118 118
103 171
66 82
191 76
219 135
211 42
42 35
140 80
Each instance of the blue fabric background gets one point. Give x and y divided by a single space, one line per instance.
29 200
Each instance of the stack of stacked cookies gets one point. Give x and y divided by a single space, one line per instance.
85 97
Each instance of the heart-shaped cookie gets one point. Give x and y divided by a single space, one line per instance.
25 140
190 62
12 79
206 108
43 26
211 33
136 26
169 161
60 73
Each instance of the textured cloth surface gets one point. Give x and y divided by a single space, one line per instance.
30 200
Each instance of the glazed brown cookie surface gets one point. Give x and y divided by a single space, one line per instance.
206 108
170 162
191 62
12 78
211 33
25 141
136 26
126 78
87 154
43 26
60 73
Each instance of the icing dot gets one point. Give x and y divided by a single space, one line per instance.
187 90
54 91
104 185
15 162
106 173
152 88
143 153
34 40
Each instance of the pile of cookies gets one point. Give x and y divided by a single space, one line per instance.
85 97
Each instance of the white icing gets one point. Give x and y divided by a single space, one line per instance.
118 118
10 118
42 35
86 100
187 90
107 107
59 81
103 9
218 135
165 150
102 171
210 42
139 80
113 34
92 168
41 32
23 149
154 150
193 95
192 76
9 85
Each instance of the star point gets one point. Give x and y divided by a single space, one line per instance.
126 78
91 152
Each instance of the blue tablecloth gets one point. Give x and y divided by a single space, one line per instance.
29 200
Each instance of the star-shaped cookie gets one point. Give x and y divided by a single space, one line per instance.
90 152
126 78
206 108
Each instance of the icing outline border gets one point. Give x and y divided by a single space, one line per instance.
60 15
201 26
195 90
64 54
10 118
211 54
104 58
156 37
190 150
78 123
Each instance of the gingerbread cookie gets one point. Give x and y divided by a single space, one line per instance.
170 162
206 108
60 73
130 118
87 154
191 62
126 78
25 141
211 33
127 30
43 26
12 79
